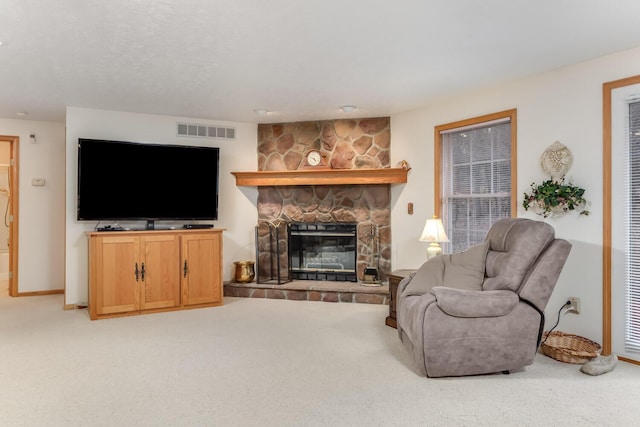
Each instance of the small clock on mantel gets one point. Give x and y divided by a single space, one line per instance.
315 159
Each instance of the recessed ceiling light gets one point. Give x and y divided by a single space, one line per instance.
261 112
348 108
22 113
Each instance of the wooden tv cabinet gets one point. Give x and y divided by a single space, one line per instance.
139 272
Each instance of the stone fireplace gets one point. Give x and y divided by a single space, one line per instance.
345 144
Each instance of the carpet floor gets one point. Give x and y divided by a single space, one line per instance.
262 362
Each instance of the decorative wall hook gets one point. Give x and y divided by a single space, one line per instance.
556 161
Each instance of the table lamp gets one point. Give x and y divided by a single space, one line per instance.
433 233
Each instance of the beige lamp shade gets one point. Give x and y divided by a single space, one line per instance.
433 233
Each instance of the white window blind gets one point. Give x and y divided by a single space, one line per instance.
632 230
476 181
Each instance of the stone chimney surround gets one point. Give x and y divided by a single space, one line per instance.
346 145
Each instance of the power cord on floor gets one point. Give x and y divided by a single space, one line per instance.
566 304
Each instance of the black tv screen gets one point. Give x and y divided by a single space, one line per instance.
120 180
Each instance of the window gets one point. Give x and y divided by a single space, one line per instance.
475 176
632 229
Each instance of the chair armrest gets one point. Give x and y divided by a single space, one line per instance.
466 303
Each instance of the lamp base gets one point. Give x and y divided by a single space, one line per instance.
433 250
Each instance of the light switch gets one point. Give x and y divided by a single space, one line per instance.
37 182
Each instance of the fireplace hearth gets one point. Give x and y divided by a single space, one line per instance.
323 251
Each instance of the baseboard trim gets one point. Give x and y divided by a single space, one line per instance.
38 293
632 361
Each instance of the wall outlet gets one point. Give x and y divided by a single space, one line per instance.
574 305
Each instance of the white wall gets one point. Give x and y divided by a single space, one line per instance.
563 105
41 209
237 206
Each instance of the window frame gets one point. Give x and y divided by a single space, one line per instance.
478 121
607 211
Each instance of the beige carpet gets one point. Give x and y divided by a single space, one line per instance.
4 288
261 362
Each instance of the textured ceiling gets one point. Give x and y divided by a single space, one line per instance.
299 59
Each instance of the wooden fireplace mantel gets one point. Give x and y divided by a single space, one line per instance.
321 177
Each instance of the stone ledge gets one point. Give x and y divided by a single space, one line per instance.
309 290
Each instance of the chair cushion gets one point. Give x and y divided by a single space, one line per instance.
465 270
430 274
516 243
496 283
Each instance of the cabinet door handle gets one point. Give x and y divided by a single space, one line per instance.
137 272
142 272
185 269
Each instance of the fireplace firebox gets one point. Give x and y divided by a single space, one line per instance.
323 251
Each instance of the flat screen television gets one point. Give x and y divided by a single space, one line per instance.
120 180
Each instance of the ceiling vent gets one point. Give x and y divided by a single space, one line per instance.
206 131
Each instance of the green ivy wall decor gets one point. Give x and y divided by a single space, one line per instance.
553 197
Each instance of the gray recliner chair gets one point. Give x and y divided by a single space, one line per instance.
482 310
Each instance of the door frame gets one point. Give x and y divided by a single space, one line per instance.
14 142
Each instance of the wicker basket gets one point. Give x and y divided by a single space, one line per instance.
569 348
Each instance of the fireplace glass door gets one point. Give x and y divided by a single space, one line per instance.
323 251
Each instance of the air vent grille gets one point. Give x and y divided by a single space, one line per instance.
205 131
